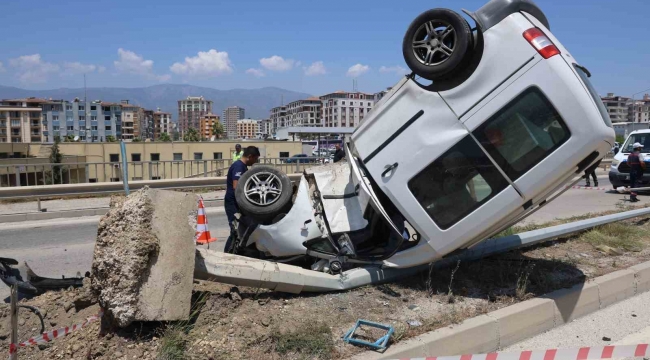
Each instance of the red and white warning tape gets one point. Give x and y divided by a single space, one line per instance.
587 188
52 334
585 353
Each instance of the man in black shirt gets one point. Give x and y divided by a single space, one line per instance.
339 154
249 157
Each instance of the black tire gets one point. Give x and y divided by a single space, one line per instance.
252 205
433 59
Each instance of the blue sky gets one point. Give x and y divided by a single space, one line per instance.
309 46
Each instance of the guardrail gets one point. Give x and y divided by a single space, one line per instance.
43 191
100 172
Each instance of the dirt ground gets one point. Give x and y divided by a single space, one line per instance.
250 323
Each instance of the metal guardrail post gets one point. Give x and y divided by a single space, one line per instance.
17 175
150 171
125 170
205 168
87 170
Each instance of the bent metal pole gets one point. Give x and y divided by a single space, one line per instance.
125 169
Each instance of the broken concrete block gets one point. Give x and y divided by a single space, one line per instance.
143 262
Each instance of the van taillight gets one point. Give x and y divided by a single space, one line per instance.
541 43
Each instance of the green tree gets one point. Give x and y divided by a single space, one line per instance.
217 129
54 176
137 139
191 135
620 139
110 138
69 138
164 137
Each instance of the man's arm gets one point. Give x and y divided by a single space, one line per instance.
234 184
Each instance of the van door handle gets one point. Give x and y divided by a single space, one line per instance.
389 168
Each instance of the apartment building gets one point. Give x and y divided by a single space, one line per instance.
161 123
13 126
191 110
304 112
20 124
207 125
278 116
248 129
131 117
90 121
265 128
640 110
618 107
345 109
231 116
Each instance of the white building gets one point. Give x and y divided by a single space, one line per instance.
304 113
248 129
230 119
278 117
346 109
618 107
266 128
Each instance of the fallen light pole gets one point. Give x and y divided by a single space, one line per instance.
243 271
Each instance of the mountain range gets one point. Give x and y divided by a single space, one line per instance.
256 102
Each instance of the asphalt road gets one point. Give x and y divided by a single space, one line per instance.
64 246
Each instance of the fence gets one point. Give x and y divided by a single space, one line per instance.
97 172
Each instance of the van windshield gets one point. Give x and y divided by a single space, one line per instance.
642 138
594 95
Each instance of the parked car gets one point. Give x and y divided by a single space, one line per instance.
507 119
619 171
300 158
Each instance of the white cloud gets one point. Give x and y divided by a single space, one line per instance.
211 63
132 63
255 72
357 70
316 68
31 69
75 68
394 69
101 69
277 63
2 68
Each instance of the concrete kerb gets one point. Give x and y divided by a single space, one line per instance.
509 325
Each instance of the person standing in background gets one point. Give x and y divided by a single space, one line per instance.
339 154
237 154
637 164
592 171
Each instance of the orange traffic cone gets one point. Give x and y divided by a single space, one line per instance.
202 232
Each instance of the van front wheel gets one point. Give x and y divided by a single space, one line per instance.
436 43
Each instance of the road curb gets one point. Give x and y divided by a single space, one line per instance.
64 214
509 325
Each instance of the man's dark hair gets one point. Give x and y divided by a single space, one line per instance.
237 145
251 151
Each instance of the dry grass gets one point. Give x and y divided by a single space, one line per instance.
311 340
616 235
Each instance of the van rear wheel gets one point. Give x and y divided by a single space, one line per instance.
436 43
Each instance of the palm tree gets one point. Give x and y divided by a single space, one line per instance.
136 139
110 138
191 135
217 129
164 137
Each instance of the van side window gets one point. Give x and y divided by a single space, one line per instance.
523 133
457 183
